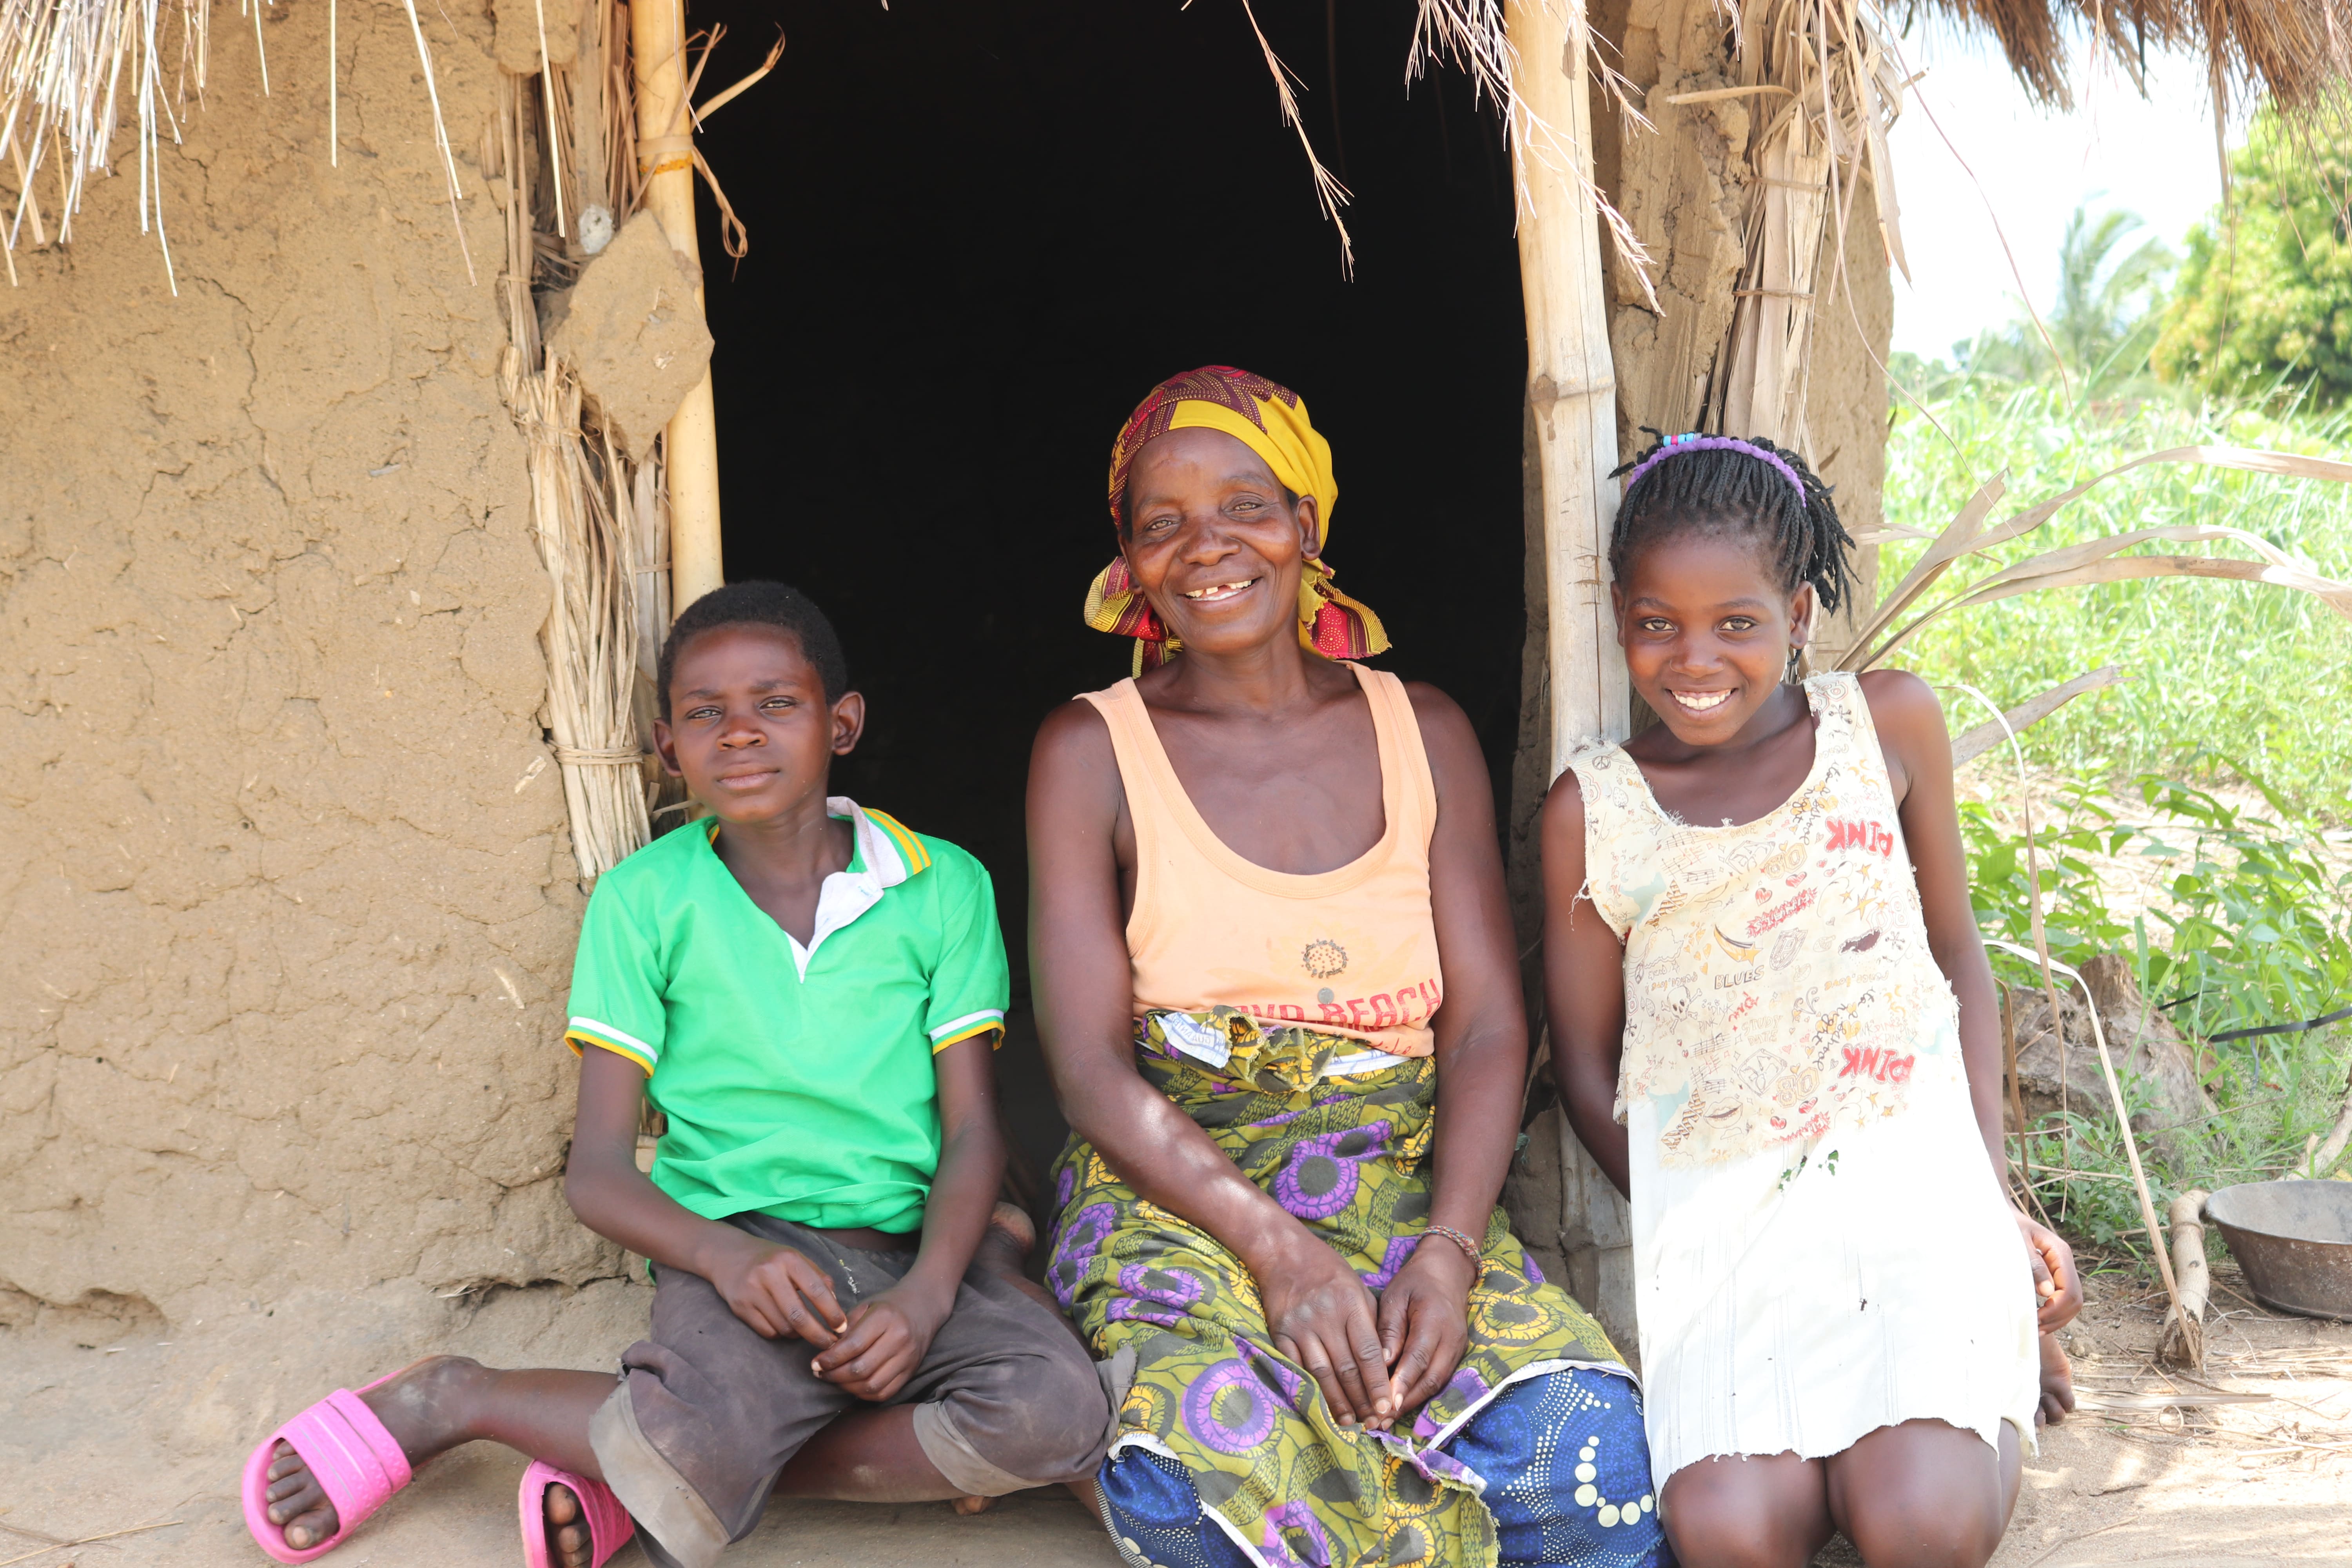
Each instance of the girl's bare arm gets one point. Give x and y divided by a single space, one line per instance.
1584 986
1919 751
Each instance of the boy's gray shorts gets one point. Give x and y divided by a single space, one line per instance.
707 1412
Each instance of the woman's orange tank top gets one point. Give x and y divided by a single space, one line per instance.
1351 951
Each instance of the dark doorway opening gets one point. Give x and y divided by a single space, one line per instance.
980 230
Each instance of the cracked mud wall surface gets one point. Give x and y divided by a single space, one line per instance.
286 917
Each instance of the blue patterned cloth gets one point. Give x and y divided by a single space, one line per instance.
1565 1466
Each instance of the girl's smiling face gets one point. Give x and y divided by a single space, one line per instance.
1214 540
1708 629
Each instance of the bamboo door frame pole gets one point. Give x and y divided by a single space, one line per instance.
1572 376
666 157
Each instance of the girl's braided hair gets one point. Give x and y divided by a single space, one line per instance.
1718 484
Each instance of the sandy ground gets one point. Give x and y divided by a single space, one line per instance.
106 1425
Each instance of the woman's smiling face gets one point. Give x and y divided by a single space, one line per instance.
1214 540
1708 629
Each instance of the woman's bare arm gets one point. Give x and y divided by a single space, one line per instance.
1081 981
1481 1053
1584 986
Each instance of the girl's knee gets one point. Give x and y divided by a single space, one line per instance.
1950 1531
1706 1537
1763 1512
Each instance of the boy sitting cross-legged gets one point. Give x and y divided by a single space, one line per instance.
813 992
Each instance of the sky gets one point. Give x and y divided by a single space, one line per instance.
2154 157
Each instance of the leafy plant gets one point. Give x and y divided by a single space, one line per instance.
2261 930
2256 928
2264 298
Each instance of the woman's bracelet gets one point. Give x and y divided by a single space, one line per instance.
1469 1248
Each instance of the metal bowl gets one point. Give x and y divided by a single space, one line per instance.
2294 1239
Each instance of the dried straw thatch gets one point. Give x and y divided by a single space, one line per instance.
71 69
2298 53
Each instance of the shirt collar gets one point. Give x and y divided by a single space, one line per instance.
886 849
883 854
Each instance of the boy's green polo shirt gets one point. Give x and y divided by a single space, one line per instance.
797 1083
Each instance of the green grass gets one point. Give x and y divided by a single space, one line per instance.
2221 672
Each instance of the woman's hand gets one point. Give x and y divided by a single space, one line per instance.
1425 1320
1322 1317
2057 1284
777 1290
883 1345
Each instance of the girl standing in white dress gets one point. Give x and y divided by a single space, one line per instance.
1775 1032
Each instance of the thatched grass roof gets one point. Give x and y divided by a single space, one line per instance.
2296 52
74 72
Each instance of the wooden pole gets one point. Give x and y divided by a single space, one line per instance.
1572 426
1572 382
666 158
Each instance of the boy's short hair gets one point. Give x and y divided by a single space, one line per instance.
759 604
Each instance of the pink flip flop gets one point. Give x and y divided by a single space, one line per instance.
358 1465
609 1524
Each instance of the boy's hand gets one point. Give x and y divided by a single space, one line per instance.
779 1292
1425 1322
2057 1284
883 1345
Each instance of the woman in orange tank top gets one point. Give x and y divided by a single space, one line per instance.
1275 976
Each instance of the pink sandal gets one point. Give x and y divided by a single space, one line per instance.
357 1464
609 1524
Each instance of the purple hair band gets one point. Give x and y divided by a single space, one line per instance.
1694 442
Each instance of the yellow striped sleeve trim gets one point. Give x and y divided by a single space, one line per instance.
990 1026
910 848
576 1037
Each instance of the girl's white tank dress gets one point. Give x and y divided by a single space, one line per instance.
1821 1247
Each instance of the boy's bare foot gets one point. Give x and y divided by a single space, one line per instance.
2057 1383
968 1506
568 1542
420 1407
429 1409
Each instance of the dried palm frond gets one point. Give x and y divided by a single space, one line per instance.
2096 561
1975 742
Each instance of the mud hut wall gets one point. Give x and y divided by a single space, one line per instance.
287 906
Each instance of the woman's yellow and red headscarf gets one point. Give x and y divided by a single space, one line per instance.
1271 421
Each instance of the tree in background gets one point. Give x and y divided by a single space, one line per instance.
2264 300
2104 321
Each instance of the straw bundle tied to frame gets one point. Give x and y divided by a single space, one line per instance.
598 516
